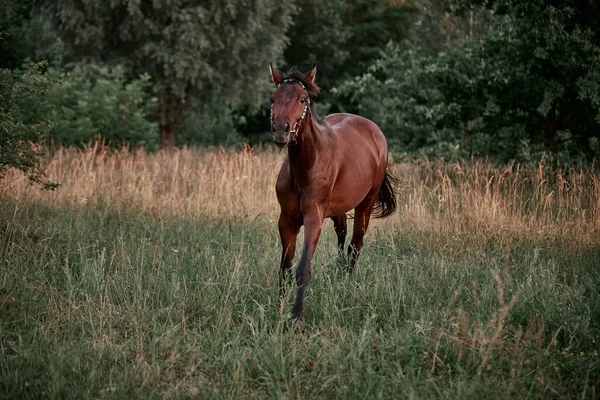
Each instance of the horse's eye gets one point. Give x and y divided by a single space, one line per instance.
271 100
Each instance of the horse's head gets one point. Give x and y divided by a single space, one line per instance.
290 103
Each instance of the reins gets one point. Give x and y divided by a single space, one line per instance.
294 130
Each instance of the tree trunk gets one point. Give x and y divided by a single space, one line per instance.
169 112
550 129
167 135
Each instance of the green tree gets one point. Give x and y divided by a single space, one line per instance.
19 141
191 49
519 77
26 35
550 53
343 38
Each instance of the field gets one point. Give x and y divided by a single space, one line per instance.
155 275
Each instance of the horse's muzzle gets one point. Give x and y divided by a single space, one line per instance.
281 134
281 145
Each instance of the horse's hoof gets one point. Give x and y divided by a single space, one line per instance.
297 325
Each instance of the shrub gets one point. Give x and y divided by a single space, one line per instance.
210 124
107 107
19 139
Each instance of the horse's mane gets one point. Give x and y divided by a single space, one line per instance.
312 89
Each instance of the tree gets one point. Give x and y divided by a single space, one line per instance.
551 51
521 76
344 38
191 49
26 35
19 141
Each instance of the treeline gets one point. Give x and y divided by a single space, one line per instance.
505 79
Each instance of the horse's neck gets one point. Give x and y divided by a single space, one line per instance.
308 149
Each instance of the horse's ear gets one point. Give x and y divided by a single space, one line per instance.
312 73
275 75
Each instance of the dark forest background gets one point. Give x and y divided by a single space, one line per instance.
501 79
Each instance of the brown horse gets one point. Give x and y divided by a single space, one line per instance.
333 165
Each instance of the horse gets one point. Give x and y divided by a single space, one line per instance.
333 165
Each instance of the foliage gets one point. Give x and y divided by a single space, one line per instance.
210 123
106 106
444 78
527 84
191 49
26 35
19 140
343 38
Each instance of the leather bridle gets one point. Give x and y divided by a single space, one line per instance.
294 130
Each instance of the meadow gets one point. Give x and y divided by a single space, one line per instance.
154 275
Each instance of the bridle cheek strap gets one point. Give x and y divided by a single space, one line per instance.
294 130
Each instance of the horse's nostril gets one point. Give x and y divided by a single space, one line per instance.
287 127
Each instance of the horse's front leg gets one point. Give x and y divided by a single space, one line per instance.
312 231
288 231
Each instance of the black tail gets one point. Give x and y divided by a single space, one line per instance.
386 198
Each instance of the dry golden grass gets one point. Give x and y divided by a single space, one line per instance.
446 198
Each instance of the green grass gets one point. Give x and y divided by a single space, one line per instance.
97 303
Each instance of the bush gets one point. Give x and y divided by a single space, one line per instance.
210 124
19 139
107 107
524 85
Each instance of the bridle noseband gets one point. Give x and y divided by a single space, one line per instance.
294 130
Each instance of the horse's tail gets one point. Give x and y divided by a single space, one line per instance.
386 198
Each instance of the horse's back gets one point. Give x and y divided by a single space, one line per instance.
358 132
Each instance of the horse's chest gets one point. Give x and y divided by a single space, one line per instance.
300 192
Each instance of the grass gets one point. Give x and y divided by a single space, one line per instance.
155 275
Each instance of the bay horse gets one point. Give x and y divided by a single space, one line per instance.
333 165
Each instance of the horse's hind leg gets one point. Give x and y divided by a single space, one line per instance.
341 228
362 216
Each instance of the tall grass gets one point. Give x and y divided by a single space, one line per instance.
155 275
448 198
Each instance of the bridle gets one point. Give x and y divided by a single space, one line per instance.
294 130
